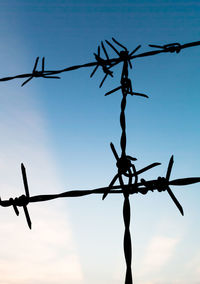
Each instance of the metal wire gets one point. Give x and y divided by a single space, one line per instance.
172 48
125 167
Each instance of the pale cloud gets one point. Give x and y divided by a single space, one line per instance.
193 265
158 253
47 253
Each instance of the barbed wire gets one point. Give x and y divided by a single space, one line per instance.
106 64
125 166
160 184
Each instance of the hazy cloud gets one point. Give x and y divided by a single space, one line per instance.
47 253
158 253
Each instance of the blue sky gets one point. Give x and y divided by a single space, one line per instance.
61 131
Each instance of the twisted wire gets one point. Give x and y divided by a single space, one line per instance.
172 48
140 187
127 239
126 206
123 126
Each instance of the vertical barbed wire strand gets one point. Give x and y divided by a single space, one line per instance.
123 125
127 239
126 206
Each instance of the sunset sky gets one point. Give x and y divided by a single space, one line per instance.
61 130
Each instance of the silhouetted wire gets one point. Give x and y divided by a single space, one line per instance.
171 48
150 185
125 167
27 195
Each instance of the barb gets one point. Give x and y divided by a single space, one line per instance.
22 201
172 47
25 197
169 169
103 63
124 54
37 74
96 67
126 85
124 166
163 184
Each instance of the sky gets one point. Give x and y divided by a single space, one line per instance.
61 130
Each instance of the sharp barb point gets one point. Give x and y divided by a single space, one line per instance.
148 168
93 72
185 181
112 91
113 47
135 49
35 65
43 62
173 197
51 77
23 169
25 82
156 46
27 216
114 151
106 54
109 187
118 43
169 169
130 64
104 78
16 209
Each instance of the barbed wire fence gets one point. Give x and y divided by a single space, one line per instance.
127 177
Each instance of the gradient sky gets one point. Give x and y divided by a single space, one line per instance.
61 131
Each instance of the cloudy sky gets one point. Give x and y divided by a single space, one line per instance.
61 131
